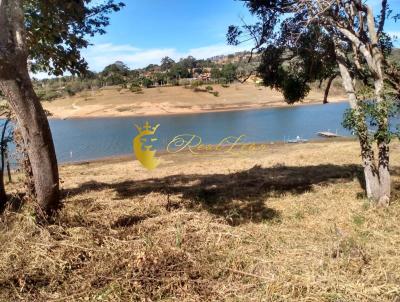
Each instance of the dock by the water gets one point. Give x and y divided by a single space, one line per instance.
328 134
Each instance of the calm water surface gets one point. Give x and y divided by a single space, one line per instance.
87 139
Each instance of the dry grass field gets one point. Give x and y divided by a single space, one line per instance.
113 101
287 224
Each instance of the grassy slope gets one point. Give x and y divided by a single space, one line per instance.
264 227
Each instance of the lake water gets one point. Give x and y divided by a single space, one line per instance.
87 139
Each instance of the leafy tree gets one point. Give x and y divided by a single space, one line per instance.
228 72
115 74
118 67
89 75
134 74
178 71
216 73
302 41
146 82
198 70
167 63
188 63
160 78
152 67
205 63
297 56
51 33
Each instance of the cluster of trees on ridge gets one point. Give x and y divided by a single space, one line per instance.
167 73
236 67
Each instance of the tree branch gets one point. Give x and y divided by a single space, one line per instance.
382 17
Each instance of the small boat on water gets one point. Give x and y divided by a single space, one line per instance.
297 140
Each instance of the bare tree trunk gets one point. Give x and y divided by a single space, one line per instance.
374 59
8 166
371 173
16 85
376 66
3 195
3 146
37 139
383 146
328 87
384 174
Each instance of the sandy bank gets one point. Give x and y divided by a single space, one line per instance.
114 102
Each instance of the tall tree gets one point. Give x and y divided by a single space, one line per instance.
116 73
167 63
51 33
306 40
189 63
228 72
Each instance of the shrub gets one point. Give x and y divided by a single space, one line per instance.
197 83
73 88
223 81
209 88
135 88
184 82
225 85
174 82
48 96
215 93
146 82
197 89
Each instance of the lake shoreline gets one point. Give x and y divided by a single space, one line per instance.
253 107
162 153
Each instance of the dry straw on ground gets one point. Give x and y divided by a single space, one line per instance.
287 224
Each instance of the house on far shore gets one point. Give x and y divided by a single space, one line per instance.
254 80
205 76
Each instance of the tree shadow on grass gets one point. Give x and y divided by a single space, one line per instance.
238 197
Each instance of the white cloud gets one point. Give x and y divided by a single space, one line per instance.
100 55
394 34
108 47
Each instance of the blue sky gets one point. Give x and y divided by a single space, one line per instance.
147 30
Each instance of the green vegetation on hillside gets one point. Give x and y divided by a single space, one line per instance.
188 71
